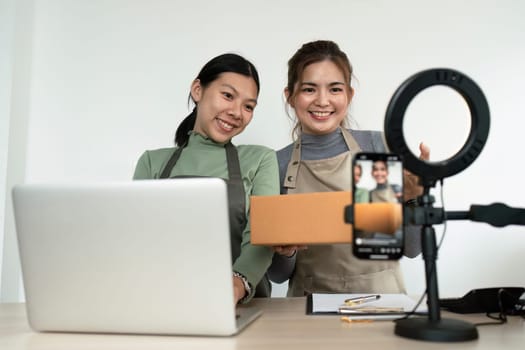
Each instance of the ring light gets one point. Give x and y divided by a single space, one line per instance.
434 327
422 213
430 172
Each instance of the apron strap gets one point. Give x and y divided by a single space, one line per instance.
350 141
232 160
236 198
171 162
293 165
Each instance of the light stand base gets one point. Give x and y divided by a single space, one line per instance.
444 330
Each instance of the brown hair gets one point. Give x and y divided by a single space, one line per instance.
313 52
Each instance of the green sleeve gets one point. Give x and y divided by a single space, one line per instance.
151 164
361 195
143 168
255 260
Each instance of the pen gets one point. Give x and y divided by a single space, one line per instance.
349 320
361 300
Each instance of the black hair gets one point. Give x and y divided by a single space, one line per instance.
224 63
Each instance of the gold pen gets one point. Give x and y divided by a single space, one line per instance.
349 320
361 300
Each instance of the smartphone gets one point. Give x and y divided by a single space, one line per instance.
377 197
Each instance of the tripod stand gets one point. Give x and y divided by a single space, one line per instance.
435 328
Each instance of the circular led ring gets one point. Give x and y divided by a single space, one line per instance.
479 130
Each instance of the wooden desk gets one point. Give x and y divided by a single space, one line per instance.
283 325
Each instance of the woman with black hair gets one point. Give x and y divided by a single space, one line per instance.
225 95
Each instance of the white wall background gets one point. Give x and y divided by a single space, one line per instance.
94 83
6 34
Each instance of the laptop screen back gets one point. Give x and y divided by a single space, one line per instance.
149 256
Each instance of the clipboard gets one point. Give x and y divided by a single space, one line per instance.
329 304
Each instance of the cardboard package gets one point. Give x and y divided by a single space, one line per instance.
316 218
304 218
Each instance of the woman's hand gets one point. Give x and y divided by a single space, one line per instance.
412 187
238 289
288 250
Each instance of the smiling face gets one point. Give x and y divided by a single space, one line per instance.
225 106
380 172
321 98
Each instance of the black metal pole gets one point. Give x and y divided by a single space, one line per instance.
429 249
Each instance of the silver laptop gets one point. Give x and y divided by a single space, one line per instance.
144 257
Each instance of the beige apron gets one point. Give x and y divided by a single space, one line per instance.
333 268
385 194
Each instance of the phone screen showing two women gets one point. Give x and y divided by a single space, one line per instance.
377 193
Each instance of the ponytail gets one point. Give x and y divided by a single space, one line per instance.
181 135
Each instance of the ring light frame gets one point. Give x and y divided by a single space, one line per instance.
430 172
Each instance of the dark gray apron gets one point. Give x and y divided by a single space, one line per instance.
236 202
